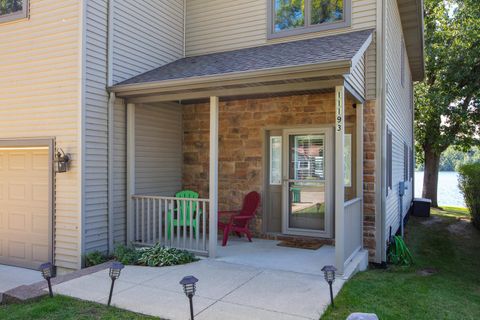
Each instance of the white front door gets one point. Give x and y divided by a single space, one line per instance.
307 205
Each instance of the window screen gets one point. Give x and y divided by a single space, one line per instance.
276 160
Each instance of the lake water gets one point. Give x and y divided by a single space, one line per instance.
448 192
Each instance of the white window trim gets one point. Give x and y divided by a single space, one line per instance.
307 28
17 15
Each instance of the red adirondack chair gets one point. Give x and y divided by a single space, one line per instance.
240 219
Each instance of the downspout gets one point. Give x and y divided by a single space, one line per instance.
413 141
111 103
184 28
401 193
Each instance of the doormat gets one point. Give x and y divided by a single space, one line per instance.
301 244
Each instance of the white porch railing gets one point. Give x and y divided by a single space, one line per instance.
353 229
174 222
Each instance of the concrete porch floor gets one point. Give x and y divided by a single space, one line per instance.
267 254
256 280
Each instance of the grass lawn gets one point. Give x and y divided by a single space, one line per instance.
446 243
65 308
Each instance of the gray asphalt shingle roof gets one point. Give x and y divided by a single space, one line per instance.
296 53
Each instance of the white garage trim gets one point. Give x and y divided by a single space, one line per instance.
39 144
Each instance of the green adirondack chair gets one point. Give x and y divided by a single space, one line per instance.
182 211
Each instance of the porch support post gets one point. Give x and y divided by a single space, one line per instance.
213 178
359 163
130 171
339 178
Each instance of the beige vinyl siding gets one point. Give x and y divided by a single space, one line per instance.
220 25
371 71
357 77
39 98
146 35
96 129
158 149
120 172
398 114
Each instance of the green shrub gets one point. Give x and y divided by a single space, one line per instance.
469 184
127 255
95 257
159 256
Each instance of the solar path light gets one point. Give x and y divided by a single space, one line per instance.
115 269
329 273
47 272
189 287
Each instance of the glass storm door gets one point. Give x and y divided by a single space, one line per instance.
306 184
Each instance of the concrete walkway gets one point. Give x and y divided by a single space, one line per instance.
12 277
225 291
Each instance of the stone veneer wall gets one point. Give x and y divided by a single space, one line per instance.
241 144
369 152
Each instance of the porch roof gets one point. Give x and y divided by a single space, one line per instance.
324 58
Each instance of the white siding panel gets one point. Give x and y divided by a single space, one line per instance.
96 129
39 97
357 77
158 149
147 35
120 172
398 114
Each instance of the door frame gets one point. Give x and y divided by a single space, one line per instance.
39 143
329 183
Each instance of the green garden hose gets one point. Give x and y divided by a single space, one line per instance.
399 253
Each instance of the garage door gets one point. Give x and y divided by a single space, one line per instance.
24 206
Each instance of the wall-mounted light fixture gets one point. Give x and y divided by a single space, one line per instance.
62 161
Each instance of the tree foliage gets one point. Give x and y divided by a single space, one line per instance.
451 159
447 101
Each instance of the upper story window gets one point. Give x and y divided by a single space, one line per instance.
13 9
289 17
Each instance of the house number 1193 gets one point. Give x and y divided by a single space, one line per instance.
339 124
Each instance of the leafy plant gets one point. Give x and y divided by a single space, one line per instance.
469 184
399 253
160 256
95 257
127 255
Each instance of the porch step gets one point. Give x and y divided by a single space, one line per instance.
358 263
